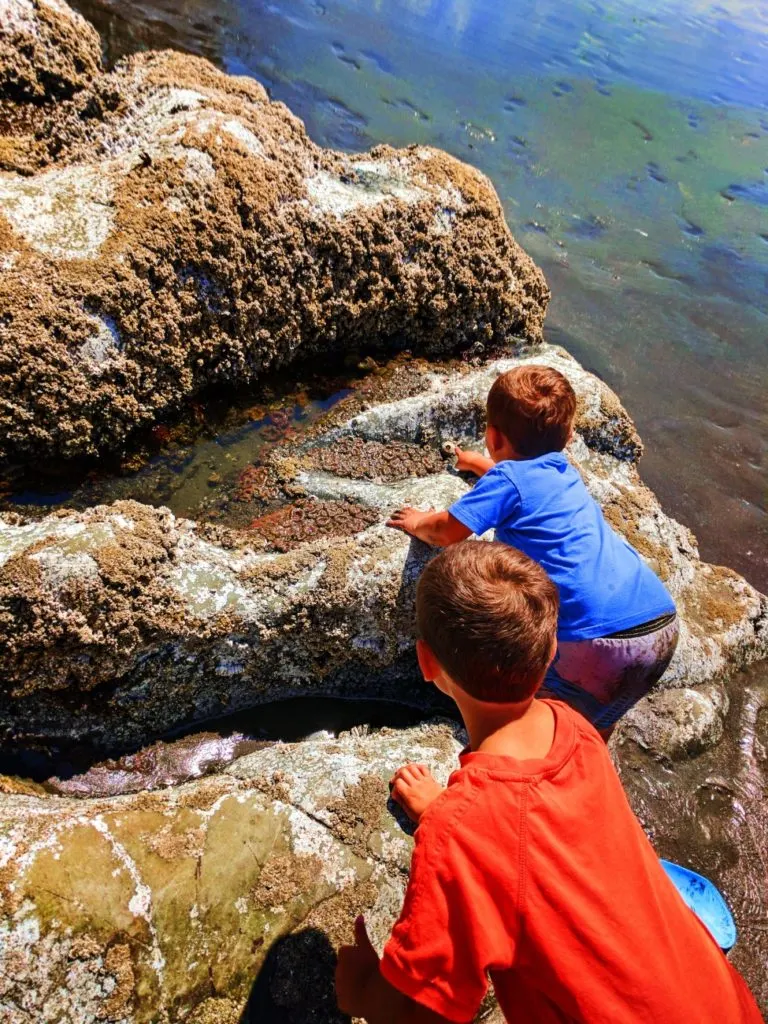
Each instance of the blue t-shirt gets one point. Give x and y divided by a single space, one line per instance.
542 507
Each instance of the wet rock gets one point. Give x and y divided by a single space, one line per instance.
181 230
122 622
155 767
677 724
698 786
307 519
374 460
228 893
47 51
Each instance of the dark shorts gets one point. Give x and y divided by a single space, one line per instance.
605 677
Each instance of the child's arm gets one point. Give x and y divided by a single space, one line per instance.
472 462
363 992
439 529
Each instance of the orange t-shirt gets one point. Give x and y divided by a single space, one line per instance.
537 874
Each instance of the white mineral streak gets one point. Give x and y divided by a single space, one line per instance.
60 568
324 769
140 904
311 839
124 522
453 404
198 167
69 213
162 118
60 8
17 16
66 213
371 183
420 492
389 902
103 345
15 539
244 136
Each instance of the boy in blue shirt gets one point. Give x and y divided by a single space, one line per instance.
617 629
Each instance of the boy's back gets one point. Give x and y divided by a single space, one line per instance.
541 507
539 873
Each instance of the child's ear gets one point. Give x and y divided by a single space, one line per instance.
553 651
493 438
428 663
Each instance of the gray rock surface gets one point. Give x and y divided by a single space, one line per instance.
185 903
121 622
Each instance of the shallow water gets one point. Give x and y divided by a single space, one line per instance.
630 148
200 468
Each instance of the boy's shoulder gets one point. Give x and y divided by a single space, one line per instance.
473 790
554 468
451 821
551 462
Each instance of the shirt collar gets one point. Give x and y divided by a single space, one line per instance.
561 749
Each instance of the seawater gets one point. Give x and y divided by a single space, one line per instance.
198 467
629 144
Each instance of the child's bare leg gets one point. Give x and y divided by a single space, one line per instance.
414 787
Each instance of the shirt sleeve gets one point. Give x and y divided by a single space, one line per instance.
447 936
492 501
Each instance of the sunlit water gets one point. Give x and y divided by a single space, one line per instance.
629 144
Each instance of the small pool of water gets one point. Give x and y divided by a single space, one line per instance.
198 467
200 750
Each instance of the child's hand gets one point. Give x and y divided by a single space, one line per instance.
464 460
408 520
435 528
414 787
472 462
355 966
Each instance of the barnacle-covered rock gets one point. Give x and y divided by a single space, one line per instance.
188 904
121 622
181 230
47 51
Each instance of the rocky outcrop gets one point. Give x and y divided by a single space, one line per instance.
167 227
122 622
180 230
200 900
47 51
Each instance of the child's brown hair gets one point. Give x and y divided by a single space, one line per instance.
489 615
534 408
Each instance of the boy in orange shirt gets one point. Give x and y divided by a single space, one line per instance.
530 867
